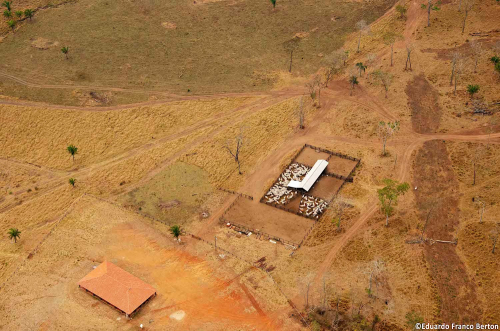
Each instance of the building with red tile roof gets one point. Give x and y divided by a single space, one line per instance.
117 287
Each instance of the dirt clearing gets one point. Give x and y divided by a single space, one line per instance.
423 101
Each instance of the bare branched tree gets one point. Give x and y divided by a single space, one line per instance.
376 267
299 111
338 206
431 5
454 59
390 39
385 131
459 69
409 49
362 27
468 4
475 45
383 78
481 205
495 233
238 141
334 63
308 282
290 46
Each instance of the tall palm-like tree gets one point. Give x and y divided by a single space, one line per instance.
361 67
65 51
72 182
29 13
176 231
72 149
7 13
7 5
11 24
353 81
274 3
14 234
19 13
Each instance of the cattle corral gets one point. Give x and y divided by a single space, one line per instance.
308 206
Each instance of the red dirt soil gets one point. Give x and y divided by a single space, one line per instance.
325 188
433 175
256 215
423 101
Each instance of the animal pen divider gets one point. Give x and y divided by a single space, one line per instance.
237 193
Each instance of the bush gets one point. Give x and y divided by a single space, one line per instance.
472 89
401 10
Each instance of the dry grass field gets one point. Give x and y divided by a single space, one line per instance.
154 91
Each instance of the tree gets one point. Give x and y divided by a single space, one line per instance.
19 13
176 231
376 267
290 46
409 49
299 111
431 5
495 233
7 4
65 51
274 3
481 205
7 13
402 11
319 83
497 67
334 65
456 56
460 66
72 182
353 80
239 139
386 131
390 39
361 67
384 78
478 154
11 24
388 196
311 86
29 13
73 150
339 205
475 45
362 28
14 234
472 89
345 55
467 6
412 319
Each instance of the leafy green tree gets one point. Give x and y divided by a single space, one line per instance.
402 11
14 234
274 3
353 80
19 13
412 318
7 13
29 13
11 24
65 51
472 89
497 67
361 68
72 182
495 59
388 196
73 150
7 4
176 231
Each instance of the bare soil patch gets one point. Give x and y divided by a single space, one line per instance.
423 101
261 217
340 166
309 156
326 187
455 292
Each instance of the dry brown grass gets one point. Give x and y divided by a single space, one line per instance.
42 135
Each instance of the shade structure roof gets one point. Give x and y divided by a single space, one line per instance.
311 177
117 287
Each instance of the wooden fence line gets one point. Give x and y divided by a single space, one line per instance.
264 234
344 156
237 193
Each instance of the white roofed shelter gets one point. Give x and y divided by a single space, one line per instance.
311 177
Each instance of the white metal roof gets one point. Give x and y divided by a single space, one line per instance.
311 177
